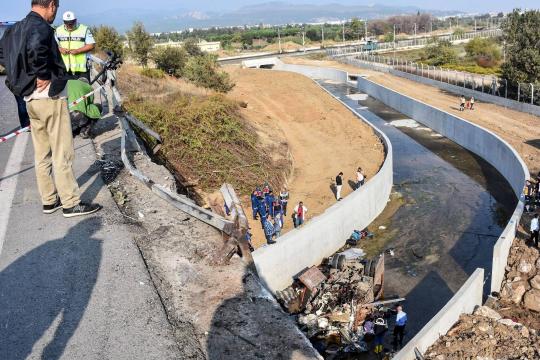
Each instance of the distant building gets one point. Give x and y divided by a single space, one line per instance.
209 46
206 46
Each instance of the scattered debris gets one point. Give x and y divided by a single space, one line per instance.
334 300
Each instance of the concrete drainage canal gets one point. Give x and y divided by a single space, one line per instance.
447 210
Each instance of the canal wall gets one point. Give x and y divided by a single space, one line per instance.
500 155
323 235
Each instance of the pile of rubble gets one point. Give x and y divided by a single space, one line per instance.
522 283
485 335
333 301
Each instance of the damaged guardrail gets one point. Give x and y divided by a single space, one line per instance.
129 138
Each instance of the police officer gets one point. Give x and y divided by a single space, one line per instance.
75 41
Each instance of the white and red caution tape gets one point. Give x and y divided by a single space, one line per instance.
70 105
13 134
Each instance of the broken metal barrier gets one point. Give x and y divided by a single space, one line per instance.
235 227
181 202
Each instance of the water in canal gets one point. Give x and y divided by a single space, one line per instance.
455 205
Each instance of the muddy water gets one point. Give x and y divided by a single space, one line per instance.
455 205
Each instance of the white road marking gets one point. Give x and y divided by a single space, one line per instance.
9 185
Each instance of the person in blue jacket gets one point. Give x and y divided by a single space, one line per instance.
254 204
269 199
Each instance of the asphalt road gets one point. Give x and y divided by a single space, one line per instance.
70 288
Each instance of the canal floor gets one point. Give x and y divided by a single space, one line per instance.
454 207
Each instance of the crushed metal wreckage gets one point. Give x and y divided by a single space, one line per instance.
332 301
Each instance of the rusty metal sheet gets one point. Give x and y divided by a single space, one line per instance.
312 278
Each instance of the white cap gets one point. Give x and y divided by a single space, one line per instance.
69 16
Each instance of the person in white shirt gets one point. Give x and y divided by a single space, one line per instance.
360 178
534 230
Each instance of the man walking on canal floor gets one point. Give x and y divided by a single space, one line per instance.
399 328
535 227
35 71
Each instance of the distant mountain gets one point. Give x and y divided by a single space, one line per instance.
275 13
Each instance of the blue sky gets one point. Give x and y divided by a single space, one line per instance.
18 8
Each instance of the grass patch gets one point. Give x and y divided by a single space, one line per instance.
152 73
474 68
205 139
317 56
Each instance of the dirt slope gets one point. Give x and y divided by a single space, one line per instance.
322 135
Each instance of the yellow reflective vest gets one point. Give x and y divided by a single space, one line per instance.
73 40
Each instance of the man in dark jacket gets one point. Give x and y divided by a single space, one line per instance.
35 71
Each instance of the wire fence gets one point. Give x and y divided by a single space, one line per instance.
410 43
522 92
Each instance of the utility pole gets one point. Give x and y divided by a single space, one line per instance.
394 40
279 38
304 39
365 30
430 27
475 25
414 33
343 31
322 31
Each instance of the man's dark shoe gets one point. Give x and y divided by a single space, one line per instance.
81 209
49 209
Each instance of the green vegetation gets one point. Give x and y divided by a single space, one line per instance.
140 43
108 39
485 52
204 71
479 56
171 60
522 39
152 73
206 140
440 53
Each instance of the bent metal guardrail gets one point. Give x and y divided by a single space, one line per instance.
322 236
498 153
128 136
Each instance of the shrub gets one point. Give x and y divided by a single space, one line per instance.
440 53
190 46
152 73
171 60
485 52
204 71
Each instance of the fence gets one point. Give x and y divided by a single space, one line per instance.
523 93
411 43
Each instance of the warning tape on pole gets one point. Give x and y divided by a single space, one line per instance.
70 105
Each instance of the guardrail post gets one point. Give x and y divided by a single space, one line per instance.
505 89
532 94
519 88
422 73
440 67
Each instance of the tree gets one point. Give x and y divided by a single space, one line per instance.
191 47
521 34
203 71
357 27
171 60
140 43
108 39
440 53
484 51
